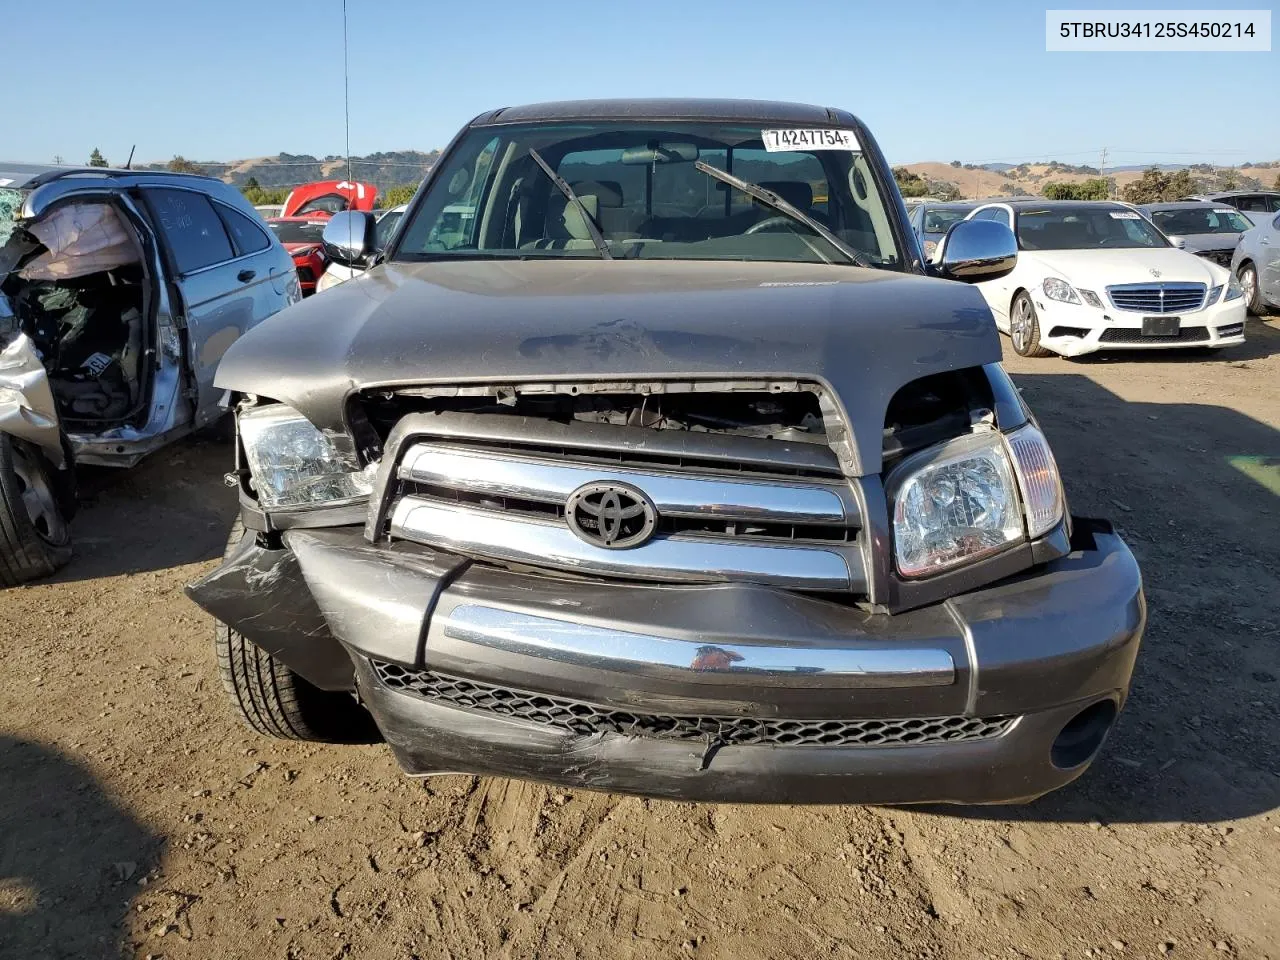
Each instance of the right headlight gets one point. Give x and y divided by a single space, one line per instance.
1056 289
972 497
293 464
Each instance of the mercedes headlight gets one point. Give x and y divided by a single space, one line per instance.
1056 289
291 463
1234 290
972 497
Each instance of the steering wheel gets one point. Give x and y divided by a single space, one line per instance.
768 224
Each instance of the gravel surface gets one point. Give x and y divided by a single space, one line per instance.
138 819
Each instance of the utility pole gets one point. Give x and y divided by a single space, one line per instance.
1102 169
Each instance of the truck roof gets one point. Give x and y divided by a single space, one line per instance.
770 111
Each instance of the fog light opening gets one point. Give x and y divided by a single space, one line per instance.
1083 735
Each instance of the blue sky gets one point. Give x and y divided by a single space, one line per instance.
933 80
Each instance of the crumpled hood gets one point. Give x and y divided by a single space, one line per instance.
864 333
1096 269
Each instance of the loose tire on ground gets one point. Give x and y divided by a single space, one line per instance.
273 700
35 539
1024 327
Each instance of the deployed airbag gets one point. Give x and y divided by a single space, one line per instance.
81 239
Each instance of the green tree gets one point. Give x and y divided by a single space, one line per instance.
910 184
400 193
1155 185
1276 185
1095 189
96 159
180 164
1230 180
252 184
260 196
956 163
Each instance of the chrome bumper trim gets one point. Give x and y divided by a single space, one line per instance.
504 536
582 644
505 474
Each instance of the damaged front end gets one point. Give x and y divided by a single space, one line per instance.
757 642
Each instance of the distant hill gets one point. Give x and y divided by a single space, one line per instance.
401 167
384 169
991 180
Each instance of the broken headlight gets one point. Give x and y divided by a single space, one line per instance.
291 463
964 500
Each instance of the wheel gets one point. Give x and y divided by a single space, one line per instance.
1024 327
35 538
273 700
1248 277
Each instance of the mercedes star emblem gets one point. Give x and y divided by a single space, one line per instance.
611 515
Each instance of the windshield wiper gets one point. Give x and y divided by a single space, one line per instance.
596 236
771 199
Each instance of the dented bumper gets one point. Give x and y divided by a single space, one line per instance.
728 692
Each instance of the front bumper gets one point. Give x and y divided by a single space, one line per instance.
1073 329
1036 649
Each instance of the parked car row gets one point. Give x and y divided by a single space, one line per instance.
1096 275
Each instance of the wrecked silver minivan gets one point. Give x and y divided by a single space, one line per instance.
120 291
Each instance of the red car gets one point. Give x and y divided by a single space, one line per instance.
301 236
323 198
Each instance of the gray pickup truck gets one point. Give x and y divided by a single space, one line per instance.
671 469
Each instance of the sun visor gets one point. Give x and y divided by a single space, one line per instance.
80 239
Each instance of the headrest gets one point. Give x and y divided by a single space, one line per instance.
607 192
799 195
568 217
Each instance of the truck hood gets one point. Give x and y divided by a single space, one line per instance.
862 333
1096 269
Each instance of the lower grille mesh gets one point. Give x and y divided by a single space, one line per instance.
1133 335
586 719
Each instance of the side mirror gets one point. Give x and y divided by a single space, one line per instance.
1179 242
976 250
348 237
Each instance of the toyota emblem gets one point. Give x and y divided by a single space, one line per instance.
611 515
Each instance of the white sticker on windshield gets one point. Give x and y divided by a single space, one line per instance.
1125 215
776 141
1224 209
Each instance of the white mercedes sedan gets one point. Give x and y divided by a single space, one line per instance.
1099 276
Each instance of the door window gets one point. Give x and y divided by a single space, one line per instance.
246 236
191 228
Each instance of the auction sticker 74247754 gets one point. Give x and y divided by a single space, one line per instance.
818 138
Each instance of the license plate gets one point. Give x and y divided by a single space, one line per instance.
1161 326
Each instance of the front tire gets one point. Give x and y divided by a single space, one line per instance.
273 700
1024 327
35 538
1248 277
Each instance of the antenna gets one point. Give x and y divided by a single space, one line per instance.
128 164
346 89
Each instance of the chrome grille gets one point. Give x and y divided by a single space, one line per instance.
716 522
587 719
1156 298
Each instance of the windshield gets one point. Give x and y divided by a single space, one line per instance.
10 205
940 219
648 196
1200 220
1085 228
297 231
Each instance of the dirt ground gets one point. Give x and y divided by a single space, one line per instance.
138 819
